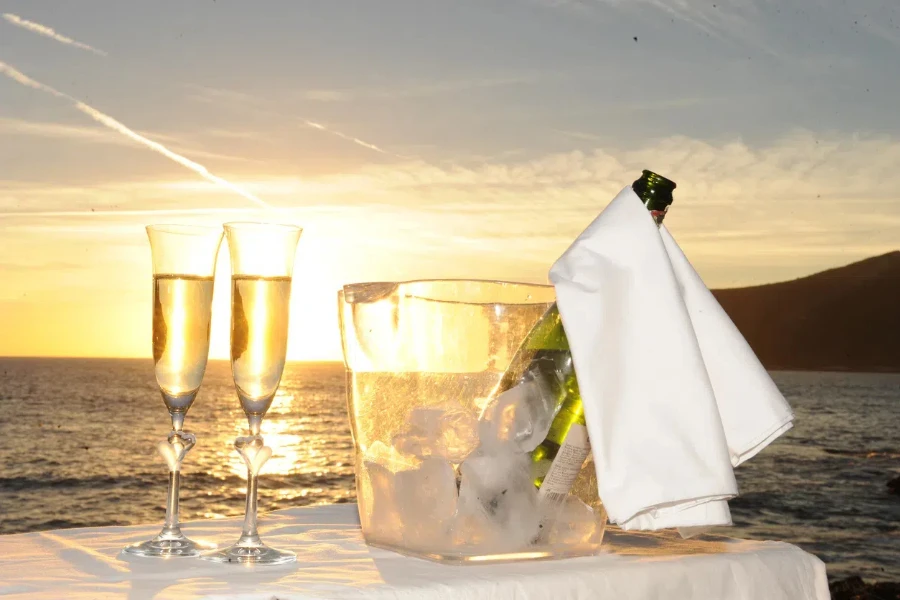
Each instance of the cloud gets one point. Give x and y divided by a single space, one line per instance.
151 212
326 95
780 30
450 86
247 102
213 95
420 89
579 135
743 213
49 33
31 266
725 20
232 134
115 125
61 131
19 199
805 196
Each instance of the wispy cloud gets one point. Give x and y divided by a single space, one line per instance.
579 135
49 32
62 131
420 89
115 125
327 95
232 134
215 95
106 197
29 266
744 214
247 102
725 20
802 198
155 212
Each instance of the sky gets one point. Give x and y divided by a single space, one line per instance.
427 139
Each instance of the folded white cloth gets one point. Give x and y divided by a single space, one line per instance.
673 395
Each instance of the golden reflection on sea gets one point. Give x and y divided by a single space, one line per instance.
301 444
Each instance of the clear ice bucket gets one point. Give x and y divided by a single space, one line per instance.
423 359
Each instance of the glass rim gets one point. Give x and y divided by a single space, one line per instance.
351 286
259 225
376 288
181 229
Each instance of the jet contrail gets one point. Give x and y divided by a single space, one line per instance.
49 32
240 98
108 121
350 138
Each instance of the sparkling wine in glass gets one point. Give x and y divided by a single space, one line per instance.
184 263
262 262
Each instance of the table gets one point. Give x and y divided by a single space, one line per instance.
333 562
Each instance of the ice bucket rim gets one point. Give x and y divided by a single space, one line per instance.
378 289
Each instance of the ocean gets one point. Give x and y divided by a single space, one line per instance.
77 441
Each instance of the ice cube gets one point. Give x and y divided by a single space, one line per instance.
521 415
381 463
426 498
390 457
497 507
427 419
457 434
384 522
447 431
573 523
413 444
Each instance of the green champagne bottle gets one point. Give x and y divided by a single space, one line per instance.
557 461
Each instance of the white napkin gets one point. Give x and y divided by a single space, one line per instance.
673 395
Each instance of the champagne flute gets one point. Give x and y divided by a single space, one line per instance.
184 263
262 262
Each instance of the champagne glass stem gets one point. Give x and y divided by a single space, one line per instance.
171 541
171 526
249 534
174 492
174 449
177 421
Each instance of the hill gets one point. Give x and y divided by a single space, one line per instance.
842 319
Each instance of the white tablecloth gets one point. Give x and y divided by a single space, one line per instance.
333 562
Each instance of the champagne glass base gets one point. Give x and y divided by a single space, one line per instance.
256 554
163 546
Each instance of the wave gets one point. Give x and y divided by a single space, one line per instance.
893 454
154 479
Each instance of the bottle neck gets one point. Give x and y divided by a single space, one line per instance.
655 191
